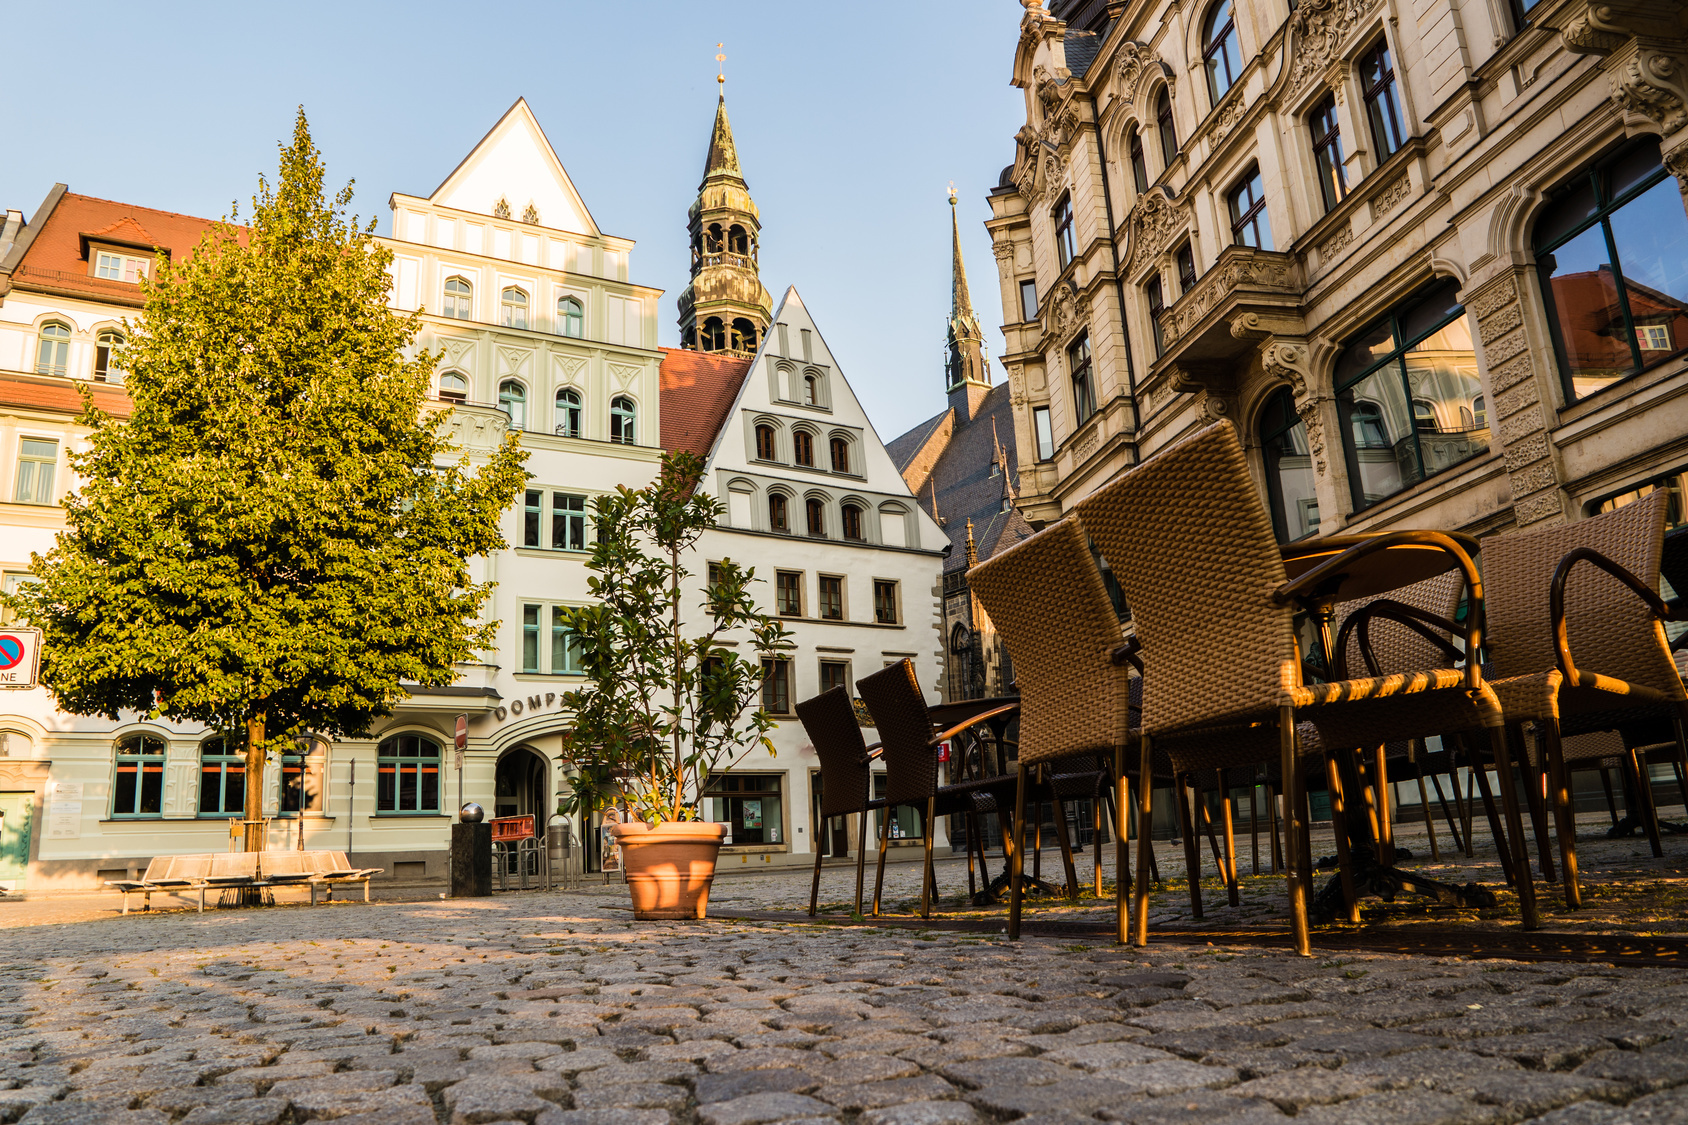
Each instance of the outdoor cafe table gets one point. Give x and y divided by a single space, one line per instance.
1371 842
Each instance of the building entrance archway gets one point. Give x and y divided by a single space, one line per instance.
522 785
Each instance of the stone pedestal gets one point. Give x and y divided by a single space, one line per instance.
471 860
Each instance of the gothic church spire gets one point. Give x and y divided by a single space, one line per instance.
967 380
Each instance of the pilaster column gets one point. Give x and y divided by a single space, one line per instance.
181 779
1518 417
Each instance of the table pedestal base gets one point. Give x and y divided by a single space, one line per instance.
1373 878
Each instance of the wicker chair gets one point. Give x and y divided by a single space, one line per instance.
1046 598
1544 605
910 749
829 719
1194 552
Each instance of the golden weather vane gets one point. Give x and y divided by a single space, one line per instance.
721 63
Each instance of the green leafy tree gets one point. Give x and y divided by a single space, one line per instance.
273 541
665 709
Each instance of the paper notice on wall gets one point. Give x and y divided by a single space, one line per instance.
753 814
64 820
64 791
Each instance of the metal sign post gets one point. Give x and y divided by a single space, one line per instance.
460 742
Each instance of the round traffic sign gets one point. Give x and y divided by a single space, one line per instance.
11 651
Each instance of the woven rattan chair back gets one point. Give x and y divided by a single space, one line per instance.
1395 647
829 719
1046 598
1193 550
893 697
1611 631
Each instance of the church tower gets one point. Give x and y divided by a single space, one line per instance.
724 308
967 378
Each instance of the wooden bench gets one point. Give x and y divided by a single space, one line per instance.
185 874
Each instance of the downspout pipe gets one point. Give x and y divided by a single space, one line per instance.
1119 285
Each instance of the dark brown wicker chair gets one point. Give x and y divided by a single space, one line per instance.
909 745
1196 558
829 719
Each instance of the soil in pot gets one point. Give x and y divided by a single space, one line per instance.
669 866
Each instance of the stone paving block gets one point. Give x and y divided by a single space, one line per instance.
877 1095
935 1056
346 1082
1406 1107
90 1113
708 1088
758 1059
1546 1050
922 1113
478 1100
529 1051
1210 1040
603 1117
1639 1072
866 1068
177 1102
245 1111
1102 1056
1531 1092
884 1043
620 1073
763 1109
406 1114
1023 1071
328 1105
633 1095
266 1076
14 1103
1106 1032
1081 1096
1197 1107
1171 1076
1294 1090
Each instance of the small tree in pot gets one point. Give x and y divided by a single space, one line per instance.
665 709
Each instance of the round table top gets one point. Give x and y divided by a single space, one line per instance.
1395 566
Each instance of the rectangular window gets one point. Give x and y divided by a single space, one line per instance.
1028 300
530 638
10 583
222 781
36 462
835 673
714 574
1247 202
885 602
137 787
788 593
905 819
832 597
407 775
115 267
565 645
1157 306
1186 259
750 805
1084 389
1044 433
568 522
532 509
1139 164
301 783
1327 152
1383 113
1065 249
776 687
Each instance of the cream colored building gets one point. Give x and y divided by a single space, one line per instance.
1430 257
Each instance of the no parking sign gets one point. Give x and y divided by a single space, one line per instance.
20 657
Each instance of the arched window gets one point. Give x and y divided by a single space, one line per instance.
1168 131
1139 162
459 296
852 520
778 519
1289 469
1369 430
713 337
512 399
52 356
765 447
840 455
571 317
811 390
407 775
137 786
453 387
737 241
568 412
1327 151
513 308
105 368
744 335
1480 413
816 513
1219 50
622 419
803 445
1424 417
222 779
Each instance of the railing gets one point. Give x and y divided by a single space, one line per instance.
744 261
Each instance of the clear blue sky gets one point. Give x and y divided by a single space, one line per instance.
851 121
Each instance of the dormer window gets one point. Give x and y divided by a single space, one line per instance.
119 267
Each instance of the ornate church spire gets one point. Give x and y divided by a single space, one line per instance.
724 308
967 380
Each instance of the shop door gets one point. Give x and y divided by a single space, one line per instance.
15 812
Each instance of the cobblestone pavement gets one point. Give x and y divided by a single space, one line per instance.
557 1009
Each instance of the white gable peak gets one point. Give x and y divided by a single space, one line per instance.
515 165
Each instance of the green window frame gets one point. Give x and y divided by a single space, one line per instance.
137 785
222 779
530 638
565 645
568 522
407 775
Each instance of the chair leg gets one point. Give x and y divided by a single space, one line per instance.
1515 831
1564 815
928 877
1429 821
1272 828
1680 765
1385 811
1212 838
1370 795
1254 823
1496 832
815 884
1291 782
1447 813
1644 799
1339 828
1064 839
1122 881
1468 810
1097 819
1611 801
1016 865
861 858
1145 848
1227 811
884 842
1192 849
1535 788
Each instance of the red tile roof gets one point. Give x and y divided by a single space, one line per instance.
697 391
57 259
59 395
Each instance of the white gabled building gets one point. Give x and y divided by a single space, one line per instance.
816 506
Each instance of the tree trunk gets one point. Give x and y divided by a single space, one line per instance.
255 783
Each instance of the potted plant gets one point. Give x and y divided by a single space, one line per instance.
665 708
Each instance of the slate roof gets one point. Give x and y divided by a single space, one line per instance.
904 447
1082 47
698 389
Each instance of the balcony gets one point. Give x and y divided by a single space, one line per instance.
1209 333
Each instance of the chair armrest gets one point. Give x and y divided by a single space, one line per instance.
1420 621
974 720
1556 601
1310 581
1127 653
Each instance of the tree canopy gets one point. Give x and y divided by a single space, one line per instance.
277 536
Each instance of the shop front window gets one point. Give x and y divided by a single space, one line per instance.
750 805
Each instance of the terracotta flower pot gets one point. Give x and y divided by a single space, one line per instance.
670 866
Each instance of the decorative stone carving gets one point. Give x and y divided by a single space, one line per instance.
1220 282
1391 196
1334 243
1590 33
1493 298
1003 249
1312 421
1226 119
1317 31
1518 424
1063 314
472 430
1155 220
1287 360
1214 408
1133 57
1085 446
1649 82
